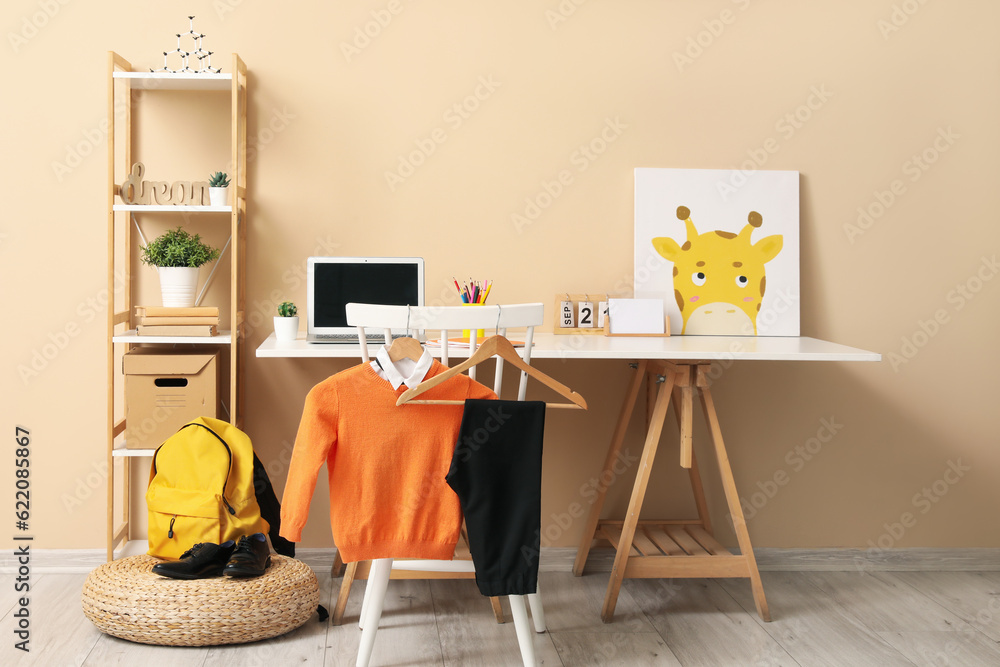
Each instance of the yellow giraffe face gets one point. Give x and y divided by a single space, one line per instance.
719 276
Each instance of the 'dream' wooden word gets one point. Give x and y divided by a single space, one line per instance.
137 191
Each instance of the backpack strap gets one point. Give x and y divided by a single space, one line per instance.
270 508
228 472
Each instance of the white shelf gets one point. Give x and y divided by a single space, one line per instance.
172 208
168 81
130 336
119 452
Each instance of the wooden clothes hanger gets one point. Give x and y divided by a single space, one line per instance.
500 347
405 348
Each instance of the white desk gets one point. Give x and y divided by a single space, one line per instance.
676 348
676 369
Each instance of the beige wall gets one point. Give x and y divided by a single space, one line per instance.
327 128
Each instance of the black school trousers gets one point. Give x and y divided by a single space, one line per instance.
497 473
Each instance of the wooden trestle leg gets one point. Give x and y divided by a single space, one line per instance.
670 548
635 503
733 499
694 475
607 472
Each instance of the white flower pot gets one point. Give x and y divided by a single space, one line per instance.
286 328
218 196
178 285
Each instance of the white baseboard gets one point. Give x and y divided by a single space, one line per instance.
560 559
814 560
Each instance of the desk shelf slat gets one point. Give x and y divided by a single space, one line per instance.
674 548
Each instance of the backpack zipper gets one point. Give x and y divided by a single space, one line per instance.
170 531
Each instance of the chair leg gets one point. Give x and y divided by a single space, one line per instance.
368 592
537 612
378 581
345 592
519 613
337 569
497 609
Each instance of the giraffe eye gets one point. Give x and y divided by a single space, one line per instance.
698 278
741 281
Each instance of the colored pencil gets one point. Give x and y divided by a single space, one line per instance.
473 291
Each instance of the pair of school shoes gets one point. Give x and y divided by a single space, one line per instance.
249 557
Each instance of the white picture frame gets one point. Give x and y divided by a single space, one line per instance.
749 271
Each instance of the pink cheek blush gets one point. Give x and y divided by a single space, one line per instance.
748 298
693 299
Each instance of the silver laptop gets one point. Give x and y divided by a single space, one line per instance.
333 282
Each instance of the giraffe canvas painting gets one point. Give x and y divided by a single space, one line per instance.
721 248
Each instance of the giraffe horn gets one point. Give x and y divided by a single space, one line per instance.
692 233
684 213
754 221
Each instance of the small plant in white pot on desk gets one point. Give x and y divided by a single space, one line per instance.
218 189
286 324
177 256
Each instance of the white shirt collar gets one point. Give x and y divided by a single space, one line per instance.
405 371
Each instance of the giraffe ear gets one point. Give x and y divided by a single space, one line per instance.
769 247
667 247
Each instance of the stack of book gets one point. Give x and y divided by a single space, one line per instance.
163 321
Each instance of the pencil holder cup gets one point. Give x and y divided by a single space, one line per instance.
480 333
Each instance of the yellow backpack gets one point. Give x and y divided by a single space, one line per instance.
201 488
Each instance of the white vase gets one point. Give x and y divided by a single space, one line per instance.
286 328
178 285
218 196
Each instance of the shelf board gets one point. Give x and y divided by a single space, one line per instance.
119 452
168 81
130 336
172 208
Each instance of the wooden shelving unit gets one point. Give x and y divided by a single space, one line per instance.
122 78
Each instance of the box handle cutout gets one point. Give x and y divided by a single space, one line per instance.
170 382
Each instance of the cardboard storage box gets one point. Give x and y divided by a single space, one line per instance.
165 389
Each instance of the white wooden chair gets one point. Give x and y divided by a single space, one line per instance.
441 320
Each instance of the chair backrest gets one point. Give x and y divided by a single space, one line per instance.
443 319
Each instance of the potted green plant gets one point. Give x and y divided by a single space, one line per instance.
177 255
218 189
286 324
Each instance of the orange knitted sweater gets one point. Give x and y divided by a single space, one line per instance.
386 465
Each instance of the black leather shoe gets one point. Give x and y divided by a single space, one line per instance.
201 561
251 558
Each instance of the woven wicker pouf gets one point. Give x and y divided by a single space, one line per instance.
125 599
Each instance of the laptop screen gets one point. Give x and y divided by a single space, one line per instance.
336 281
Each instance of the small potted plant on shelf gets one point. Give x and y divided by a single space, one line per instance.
286 324
218 189
177 255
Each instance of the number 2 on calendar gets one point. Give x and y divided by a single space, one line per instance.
586 314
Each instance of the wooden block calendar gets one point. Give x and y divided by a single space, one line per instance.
580 314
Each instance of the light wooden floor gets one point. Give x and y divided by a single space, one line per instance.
820 618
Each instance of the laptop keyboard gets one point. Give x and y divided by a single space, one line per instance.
349 338
345 337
